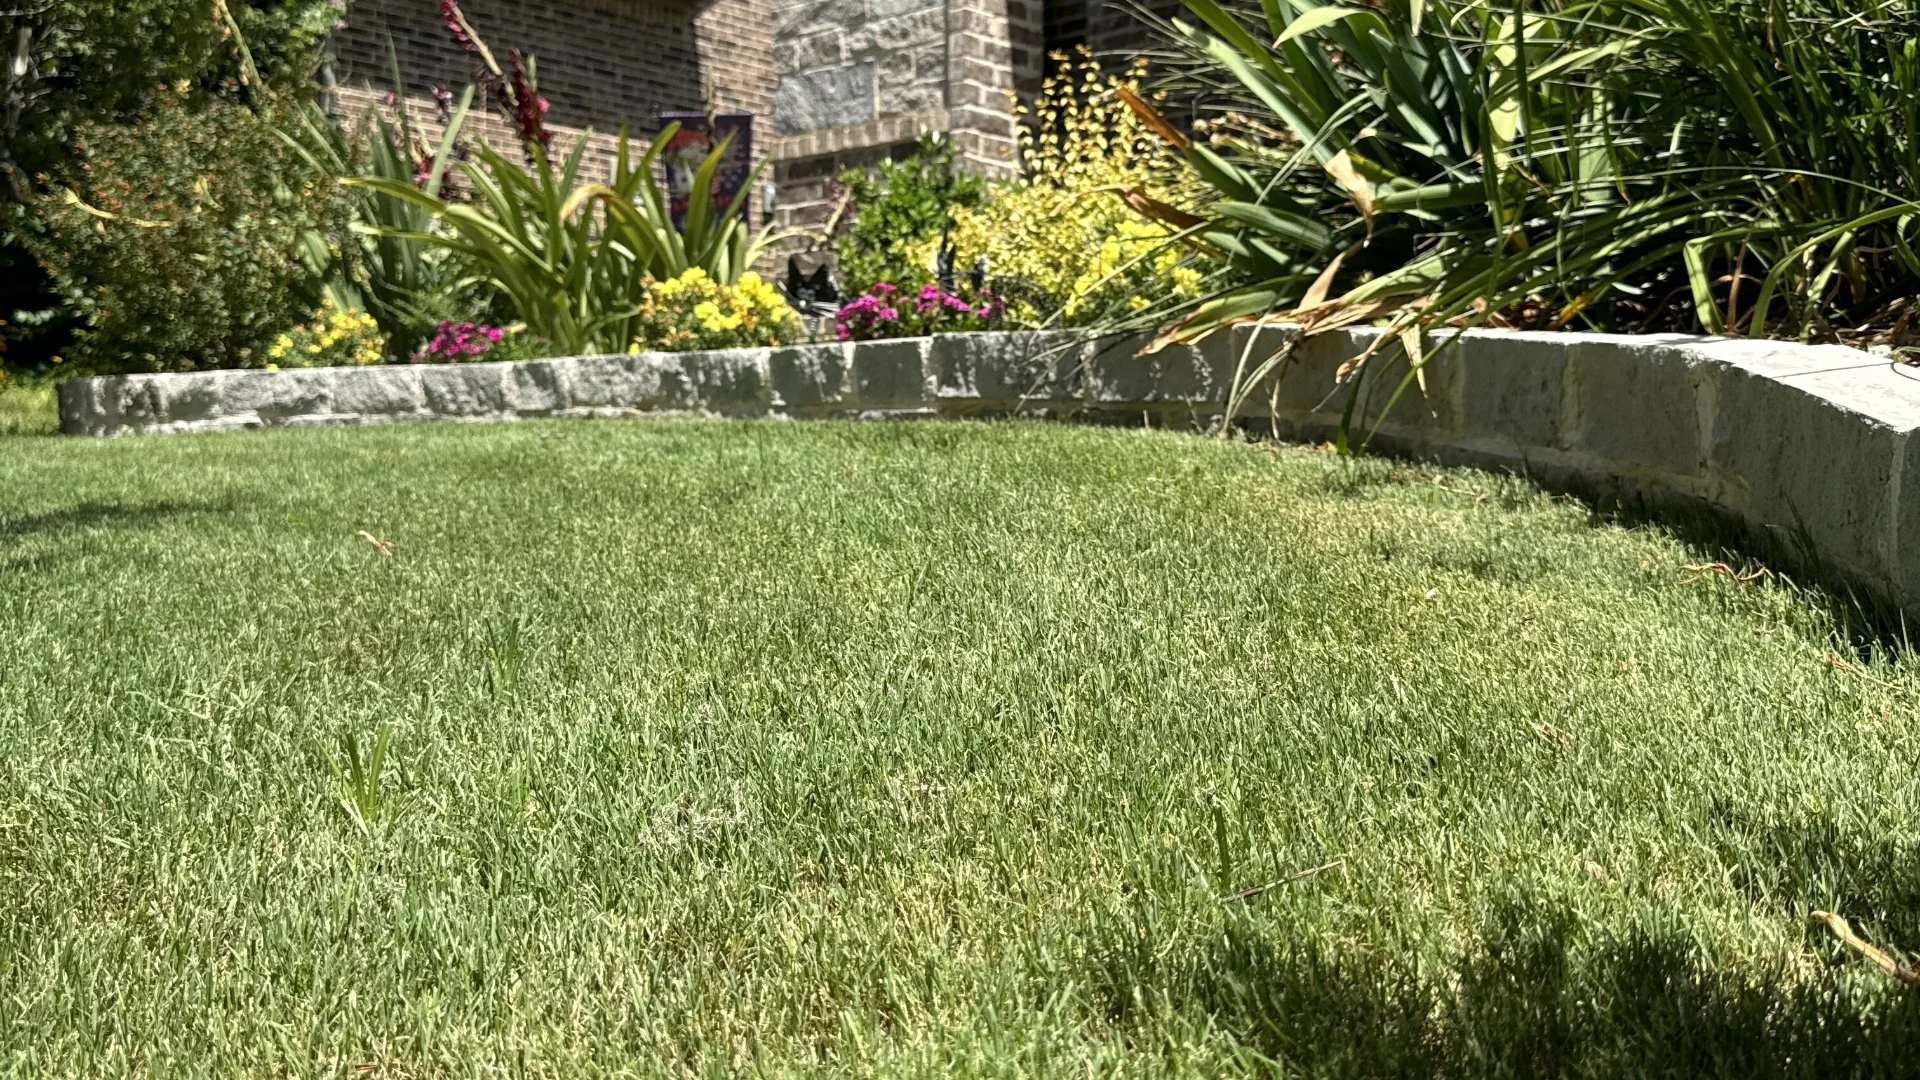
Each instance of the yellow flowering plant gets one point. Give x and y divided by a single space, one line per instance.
1060 241
331 338
693 311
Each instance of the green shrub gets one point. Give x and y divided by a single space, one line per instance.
77 64
180 238
898 207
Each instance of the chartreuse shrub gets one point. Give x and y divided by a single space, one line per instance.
765 749
1061 242
693 311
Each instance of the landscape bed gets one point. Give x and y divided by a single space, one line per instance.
697 747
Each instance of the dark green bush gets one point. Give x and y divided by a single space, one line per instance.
76 64
897 207
180 238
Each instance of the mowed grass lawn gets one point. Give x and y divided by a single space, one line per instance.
705 748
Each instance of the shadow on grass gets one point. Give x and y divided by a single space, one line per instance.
1537 996
1863 615
1816 862
93 515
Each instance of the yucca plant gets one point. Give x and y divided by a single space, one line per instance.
406 283
1547 163
572 256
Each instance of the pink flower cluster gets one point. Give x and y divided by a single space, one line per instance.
867 317
457 26
882 313
454 341
934 302
529 108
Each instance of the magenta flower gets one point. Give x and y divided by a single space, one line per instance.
457 26
529 108
453 342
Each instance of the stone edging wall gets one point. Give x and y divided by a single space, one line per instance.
1805 443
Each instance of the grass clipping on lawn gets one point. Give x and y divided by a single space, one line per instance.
918 748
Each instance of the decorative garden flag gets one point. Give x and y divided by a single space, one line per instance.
699 133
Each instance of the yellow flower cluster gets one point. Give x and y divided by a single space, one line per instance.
1061 227
693 311
332 338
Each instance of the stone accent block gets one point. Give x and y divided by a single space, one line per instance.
1513 390
1809 449
1197 377
1007 370
827 97
728 382
807 375
1637 401
891 374
616 383
395 390
465 390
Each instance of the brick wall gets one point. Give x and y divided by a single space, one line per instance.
831 83
601 62
1109 27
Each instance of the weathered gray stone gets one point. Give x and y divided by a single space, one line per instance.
1388 396
891 374
883 8
1806 444
874 39
1636 402
612 382
1007 370
1197 377
828 97
892 69
1512 390
201 395
798 18
729 382
815 51
386 392
82 411
911 98
468 391
805 375
532 388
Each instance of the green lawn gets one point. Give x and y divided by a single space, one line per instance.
27 410
914 748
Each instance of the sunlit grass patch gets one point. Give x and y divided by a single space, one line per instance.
914 748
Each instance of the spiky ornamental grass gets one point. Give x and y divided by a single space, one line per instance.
683 748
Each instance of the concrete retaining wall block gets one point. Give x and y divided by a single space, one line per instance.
1812 446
